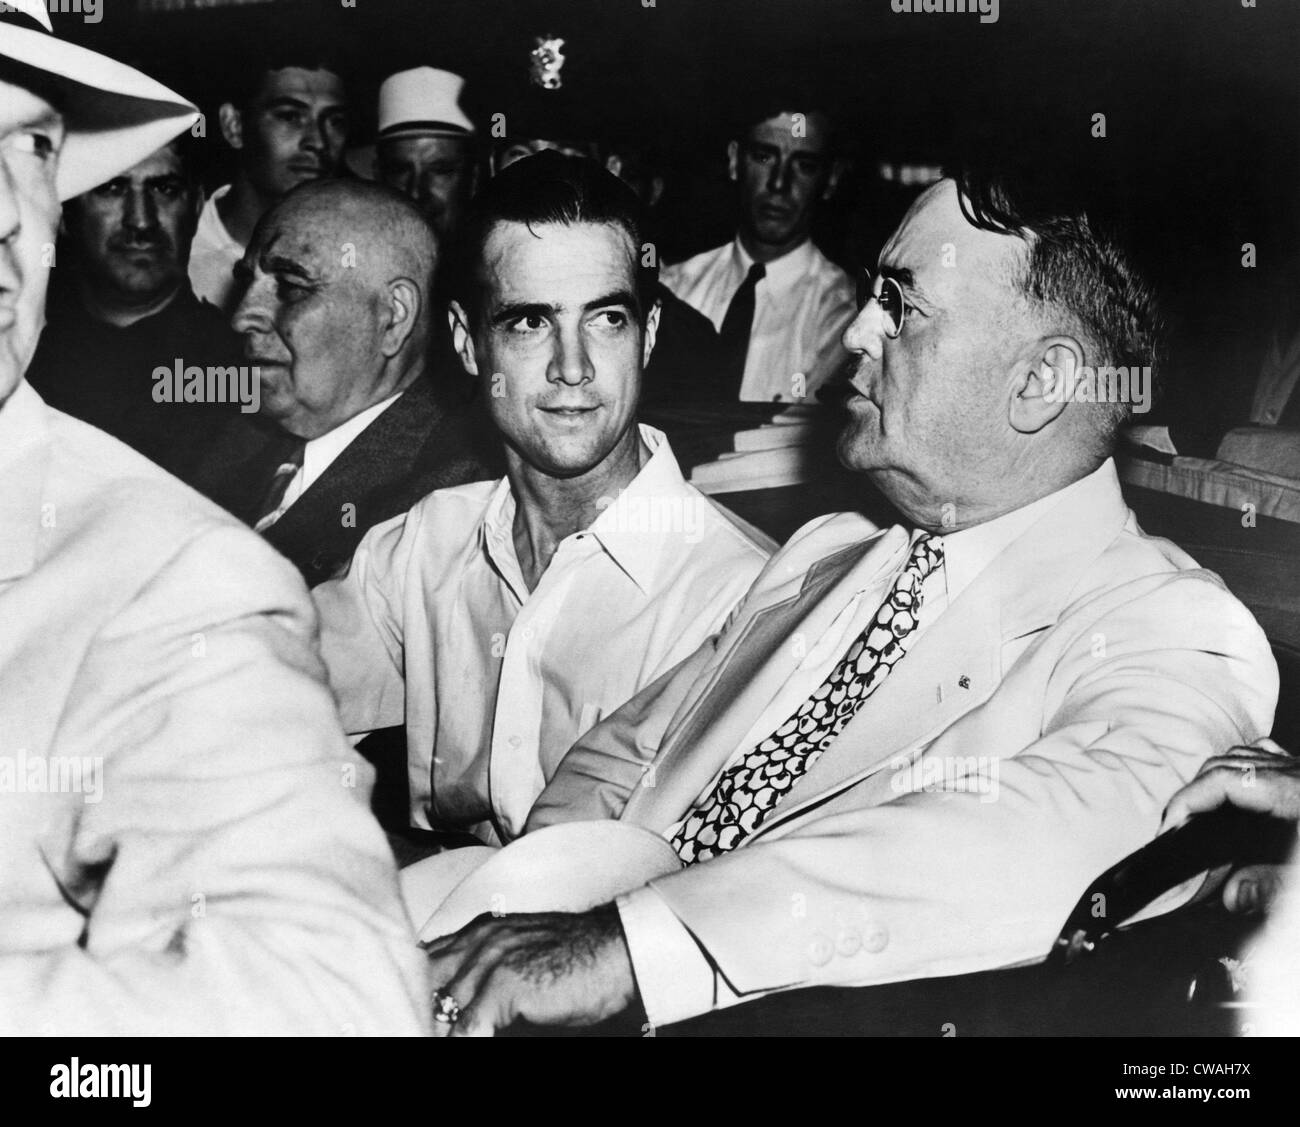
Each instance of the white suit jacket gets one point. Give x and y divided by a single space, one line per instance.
1098 668
184 840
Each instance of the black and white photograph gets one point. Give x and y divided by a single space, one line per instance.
649 519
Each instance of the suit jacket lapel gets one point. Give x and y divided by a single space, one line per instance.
385 452
754 664
957 663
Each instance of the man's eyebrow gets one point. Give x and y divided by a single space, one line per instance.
904 276
519 309
279 264
625 298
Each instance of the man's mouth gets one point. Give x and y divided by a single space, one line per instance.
574 412
306 169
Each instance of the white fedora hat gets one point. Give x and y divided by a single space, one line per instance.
424 102
115 116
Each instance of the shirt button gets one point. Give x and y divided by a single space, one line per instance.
876 939
527 634
515 741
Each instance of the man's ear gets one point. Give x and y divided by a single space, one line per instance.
1041 389
733 160
232 125
651 332
462 337
838 169
405 302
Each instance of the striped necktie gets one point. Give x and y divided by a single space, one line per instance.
749 790
270 511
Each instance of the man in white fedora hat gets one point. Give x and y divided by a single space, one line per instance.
426 144
184 844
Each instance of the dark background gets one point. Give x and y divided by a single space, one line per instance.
1201 97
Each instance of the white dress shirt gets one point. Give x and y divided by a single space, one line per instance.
433 626
673 976
802 306
213 256
320 453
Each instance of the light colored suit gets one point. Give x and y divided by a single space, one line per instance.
184 840
1098 666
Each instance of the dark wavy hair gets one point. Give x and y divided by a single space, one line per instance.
545 188
1078 262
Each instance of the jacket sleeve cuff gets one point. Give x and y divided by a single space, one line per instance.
675 979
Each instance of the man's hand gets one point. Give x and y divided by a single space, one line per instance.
1264 778
548 968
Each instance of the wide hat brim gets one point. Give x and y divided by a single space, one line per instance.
115 116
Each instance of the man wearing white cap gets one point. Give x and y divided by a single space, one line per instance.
425 148
184 845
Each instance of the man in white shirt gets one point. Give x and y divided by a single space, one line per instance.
910 751
498 621
778 303
289 124
336 316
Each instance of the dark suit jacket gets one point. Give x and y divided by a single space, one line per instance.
426 440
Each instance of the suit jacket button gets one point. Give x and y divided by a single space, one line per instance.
849 942
876 939
820 950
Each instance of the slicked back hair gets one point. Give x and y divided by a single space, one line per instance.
1076 264
551 188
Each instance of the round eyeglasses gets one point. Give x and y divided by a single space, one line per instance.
889 294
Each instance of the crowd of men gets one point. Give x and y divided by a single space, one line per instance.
432 511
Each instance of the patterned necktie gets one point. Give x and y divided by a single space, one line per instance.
749 790
269 510
733 337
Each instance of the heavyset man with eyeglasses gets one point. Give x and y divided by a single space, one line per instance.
912 746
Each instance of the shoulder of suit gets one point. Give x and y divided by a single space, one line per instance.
1136 566
821 538
113 503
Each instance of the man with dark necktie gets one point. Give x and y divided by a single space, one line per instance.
778 303
337 314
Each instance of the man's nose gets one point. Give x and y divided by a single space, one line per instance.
866 332
778 180
10 223
253 313
140 213
570 364
313 136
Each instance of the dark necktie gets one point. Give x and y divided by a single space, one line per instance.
748 791
291 456
733 337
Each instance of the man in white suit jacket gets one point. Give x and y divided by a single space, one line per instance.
1064 676
184 840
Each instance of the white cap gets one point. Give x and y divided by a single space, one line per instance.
424 102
